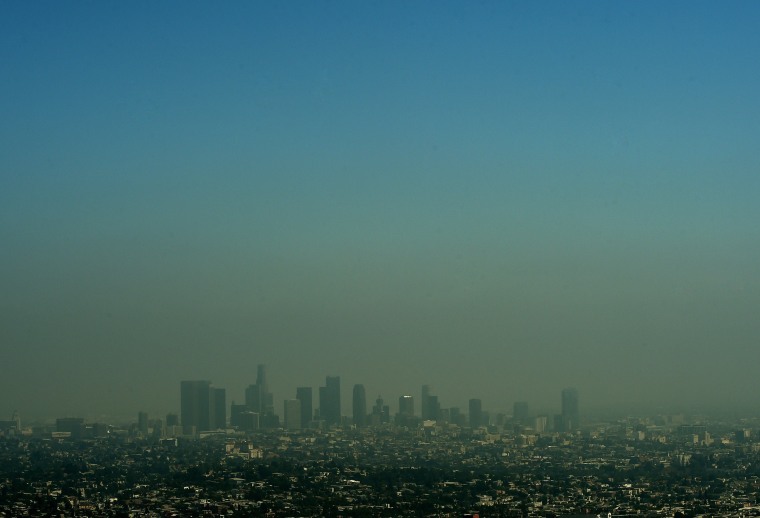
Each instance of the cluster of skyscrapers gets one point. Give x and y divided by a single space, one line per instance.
204 409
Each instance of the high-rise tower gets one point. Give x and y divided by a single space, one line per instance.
360 406
329 400
196 404
429 405
476 413
253 398
292 414
520 412
424 402
304 395
266 398
570 414
406 406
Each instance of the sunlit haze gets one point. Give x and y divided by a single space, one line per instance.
498 199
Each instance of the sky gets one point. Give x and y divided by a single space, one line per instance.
498 199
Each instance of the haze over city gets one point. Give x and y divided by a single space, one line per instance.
499 200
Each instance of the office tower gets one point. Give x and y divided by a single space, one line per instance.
219 419
380 412
540 423
360 406
304 395
405 416
142 422
266 397
570 415
430 406
292 414
196 406
406 406
235 413
459 418
253 398
425 402
249 421
258 399
476 413
329 401
434 408
520 413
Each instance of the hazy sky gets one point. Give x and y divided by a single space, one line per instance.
499 199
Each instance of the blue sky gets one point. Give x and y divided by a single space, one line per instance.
499 199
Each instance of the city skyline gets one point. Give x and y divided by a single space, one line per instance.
562 407
203 409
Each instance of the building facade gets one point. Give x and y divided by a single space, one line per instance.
329 401
360 406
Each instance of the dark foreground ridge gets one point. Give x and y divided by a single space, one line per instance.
624 468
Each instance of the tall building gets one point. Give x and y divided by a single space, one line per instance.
249 421
259 400
266 397
142 423
476 413
235 412
292 414
219 406
405 416
520 412
540 423
570 415
425 402
253 398
195 406
380 412
431 408
329 401
406 406
304 395
434 408
360 406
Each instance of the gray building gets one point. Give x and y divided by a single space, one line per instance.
329 401
195 406
570 416
292 408
360 406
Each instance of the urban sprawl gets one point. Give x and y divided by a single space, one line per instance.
440 462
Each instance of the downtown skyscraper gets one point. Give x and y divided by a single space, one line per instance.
570 414
203 407
360 406
329 401
305 396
